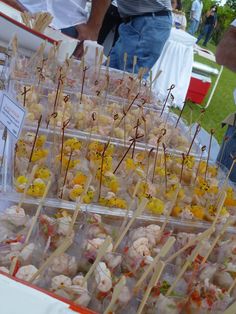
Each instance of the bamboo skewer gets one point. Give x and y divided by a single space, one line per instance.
34 220
167 97
28 184
180 115
231 309
199 163
222 231
189 261
163 252
78 204
204 235
60 250
101 252
115 294
34 143
136 214
198 128
209 152
37 213
155 278
130 205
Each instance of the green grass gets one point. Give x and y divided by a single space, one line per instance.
222 103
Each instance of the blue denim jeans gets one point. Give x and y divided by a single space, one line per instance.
227 150
144 37
70 31
193 27
206 32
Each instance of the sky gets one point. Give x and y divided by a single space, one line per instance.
222 2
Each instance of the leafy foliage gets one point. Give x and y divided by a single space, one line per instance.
226 15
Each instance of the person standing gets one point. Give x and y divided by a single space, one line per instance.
111 21
145 29
195 16
209 26
226 56
178 16
70 16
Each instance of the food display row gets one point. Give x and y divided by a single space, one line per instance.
113 203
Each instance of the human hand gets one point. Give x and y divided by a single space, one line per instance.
85 31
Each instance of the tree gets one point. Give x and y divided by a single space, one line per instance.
231 4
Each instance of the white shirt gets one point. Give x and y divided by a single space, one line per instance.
234 23
178 19
197 9
65 13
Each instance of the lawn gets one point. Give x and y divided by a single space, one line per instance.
222 103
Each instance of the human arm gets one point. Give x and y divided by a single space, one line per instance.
90 30
15 4
193 8
225 53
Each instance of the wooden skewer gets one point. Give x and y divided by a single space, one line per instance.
83 81
189 261
220 204
155 159
231 309
155 278
78 204
180 115
226 225
148 162
130 205
35 217
163 252
101 172
198 128
28 184
182 167
167 97
125 154
66 173
165 165
200 160
34 220
60 250
168 213
135 137
136 214
101 252
202 236
128 109
209 152
35 139
115 294
232 287
65 124
125 64
157 75
134 64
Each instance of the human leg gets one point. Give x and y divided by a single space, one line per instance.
227 150
208 35
193 27
143 37
126 43
202 34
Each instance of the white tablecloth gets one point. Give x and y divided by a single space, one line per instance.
175 63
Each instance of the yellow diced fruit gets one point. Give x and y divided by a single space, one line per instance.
198 211
176 211
156 206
